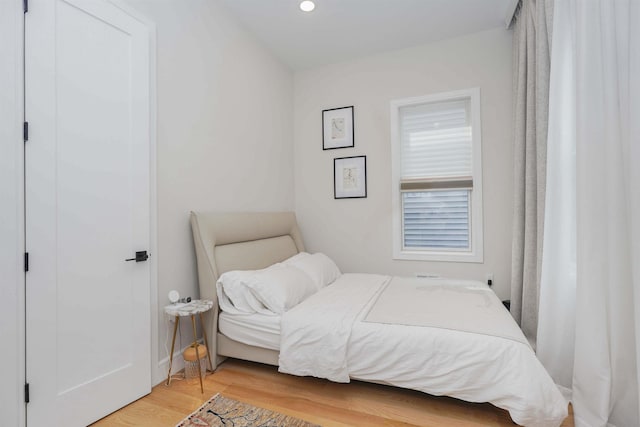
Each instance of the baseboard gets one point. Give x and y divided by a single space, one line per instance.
177 366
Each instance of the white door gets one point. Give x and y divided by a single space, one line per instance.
87 210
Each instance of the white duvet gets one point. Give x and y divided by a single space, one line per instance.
326 336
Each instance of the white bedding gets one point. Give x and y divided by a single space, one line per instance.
325 336
252 329
461 305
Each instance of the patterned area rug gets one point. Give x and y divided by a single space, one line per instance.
224 412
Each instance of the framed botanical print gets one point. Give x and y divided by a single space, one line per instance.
337 128
350 177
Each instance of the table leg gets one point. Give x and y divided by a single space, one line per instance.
195 342
206 343
173 343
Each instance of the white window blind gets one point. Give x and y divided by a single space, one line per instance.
436 140
436 219
436 175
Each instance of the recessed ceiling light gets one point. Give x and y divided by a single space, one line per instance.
307 5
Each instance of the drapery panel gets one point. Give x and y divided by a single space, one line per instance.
532 38
595 126
556 325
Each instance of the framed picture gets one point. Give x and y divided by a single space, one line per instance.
350 177
337 128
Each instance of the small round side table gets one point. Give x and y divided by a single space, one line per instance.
190 309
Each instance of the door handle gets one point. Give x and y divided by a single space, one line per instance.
140 256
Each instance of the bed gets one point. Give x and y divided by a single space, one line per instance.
364 326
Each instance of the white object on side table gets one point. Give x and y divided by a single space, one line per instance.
190 309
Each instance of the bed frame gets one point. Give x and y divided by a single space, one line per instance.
250 241
239 241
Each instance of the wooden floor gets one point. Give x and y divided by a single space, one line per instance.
318 401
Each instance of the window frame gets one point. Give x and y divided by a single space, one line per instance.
475 254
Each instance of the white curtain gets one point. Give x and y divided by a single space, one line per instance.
590 288
556 324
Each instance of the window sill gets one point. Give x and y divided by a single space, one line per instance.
409 255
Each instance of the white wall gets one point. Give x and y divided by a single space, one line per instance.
224 140
11 275
357 232
224 143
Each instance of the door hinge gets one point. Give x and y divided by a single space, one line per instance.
25 131
26 261
25 6
26 393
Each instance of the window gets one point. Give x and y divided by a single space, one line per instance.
437 177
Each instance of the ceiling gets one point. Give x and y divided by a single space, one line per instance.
338 30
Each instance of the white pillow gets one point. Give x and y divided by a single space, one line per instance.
280 287
296 257
235 297
319 267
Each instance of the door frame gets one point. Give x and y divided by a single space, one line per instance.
19 326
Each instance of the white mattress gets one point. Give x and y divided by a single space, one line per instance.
259 330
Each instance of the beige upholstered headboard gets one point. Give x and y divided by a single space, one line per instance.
239 241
